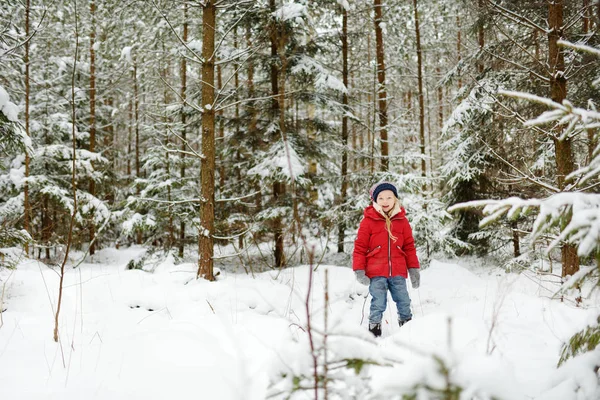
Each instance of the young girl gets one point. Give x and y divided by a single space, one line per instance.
385 255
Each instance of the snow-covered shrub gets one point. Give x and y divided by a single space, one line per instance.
582 342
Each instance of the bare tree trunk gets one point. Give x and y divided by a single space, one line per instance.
183 73
129 138
92 113
280 187
459 47
221 130
381 89
587 14
26 205
166 101
136 110
344 189
278 110
312 163
440 93
46 228
480 36
354 133
207 174
515 239
558 92
236 82
370 132
421 96
109 145
253 116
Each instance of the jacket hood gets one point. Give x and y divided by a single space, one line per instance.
374 211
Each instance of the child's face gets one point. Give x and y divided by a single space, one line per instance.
386 200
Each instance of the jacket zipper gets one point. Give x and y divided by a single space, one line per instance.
390 254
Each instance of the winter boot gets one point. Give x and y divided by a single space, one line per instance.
400 322
375 329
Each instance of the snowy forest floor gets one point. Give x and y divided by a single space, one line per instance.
162 334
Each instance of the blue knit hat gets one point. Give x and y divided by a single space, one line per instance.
380 187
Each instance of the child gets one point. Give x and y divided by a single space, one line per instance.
385 254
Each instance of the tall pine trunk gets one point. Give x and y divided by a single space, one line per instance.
459 48
183 73
129 136
26 204
251 109
558 92
421 95
92 112
207 173
136 110
587 16
370 100
480 36
221 135
381 89
278 110
344 189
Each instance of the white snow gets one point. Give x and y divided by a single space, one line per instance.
11 110
4 97
289 11
281 161
133 334
126 54
195 45
8 108
344 4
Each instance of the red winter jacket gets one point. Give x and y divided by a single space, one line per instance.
377 253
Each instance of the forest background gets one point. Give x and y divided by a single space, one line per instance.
186 126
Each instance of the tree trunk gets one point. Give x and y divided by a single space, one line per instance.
344 189
558 92
92 113
110 145
421 96
253 116
183 73
221 135
381 89
129 137
136 110
480 37
46 228
26 205
459 48
166 121
440 95
277 40
236 82
370 132
515 239
207 174
587 14
312 163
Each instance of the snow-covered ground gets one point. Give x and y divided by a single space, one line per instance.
132 334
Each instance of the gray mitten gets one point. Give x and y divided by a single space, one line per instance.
361 277
415 277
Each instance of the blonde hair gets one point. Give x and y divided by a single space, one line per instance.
388 221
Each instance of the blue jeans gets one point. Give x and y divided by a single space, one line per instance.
397 287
